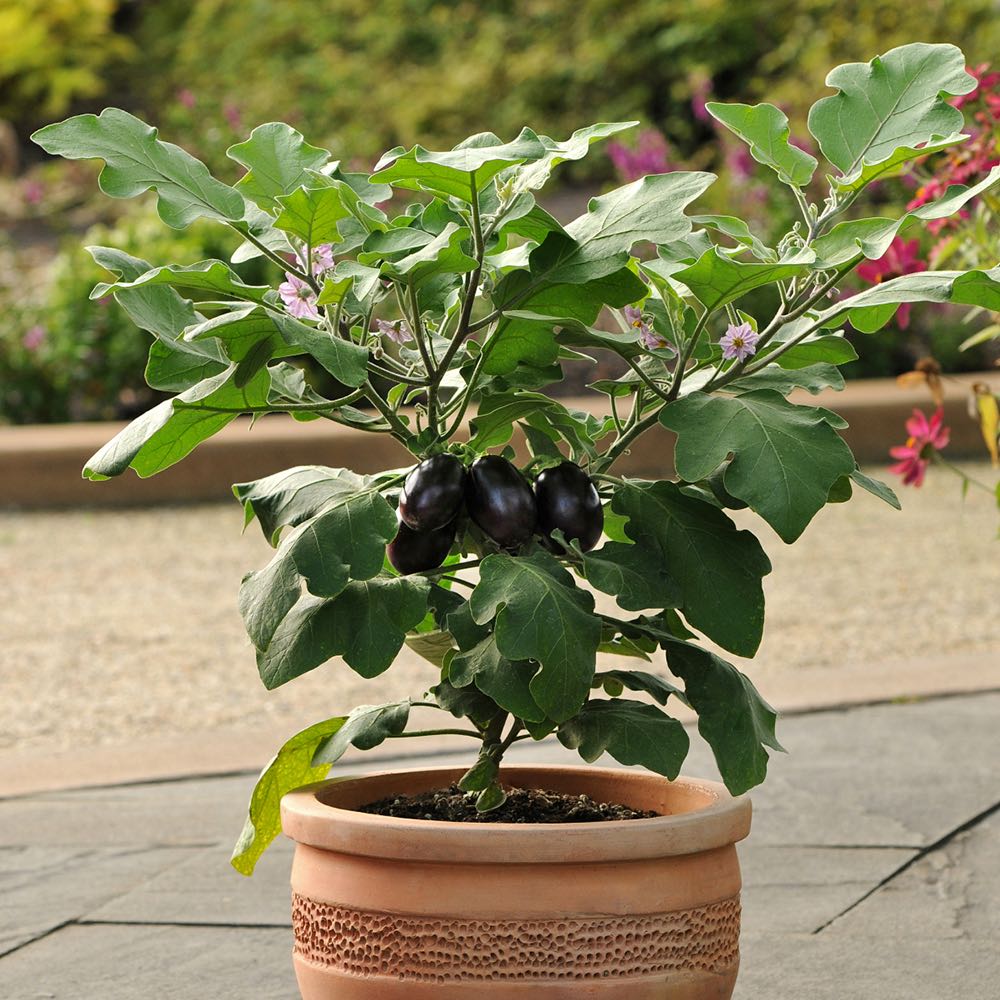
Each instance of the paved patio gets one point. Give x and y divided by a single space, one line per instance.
873 873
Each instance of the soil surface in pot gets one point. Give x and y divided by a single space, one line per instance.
523 805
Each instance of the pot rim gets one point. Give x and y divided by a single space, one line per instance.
706 817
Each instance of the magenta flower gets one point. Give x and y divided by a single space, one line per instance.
901 258
299 298
648 156
33 191
739 342
701 94
926 438
233 117
648 337
186 97
33 338
398 332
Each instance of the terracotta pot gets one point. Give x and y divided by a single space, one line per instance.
387 909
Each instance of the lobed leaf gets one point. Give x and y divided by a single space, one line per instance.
895 101
717 568
785 457
135 160
541 615
633 733
764 128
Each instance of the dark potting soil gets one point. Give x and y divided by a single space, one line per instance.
523 805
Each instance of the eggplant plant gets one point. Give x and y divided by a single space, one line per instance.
445 321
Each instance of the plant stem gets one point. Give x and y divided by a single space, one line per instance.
436 732
442 570
276 258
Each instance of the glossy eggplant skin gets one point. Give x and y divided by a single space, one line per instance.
499 500
432 493
415 551
567 499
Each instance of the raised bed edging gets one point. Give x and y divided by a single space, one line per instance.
40 465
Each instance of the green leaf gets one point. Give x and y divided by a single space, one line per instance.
732 717
656 687
895 101
635 575
451 173
136 161
295 495
872 237
813 378
506 682
834 350
365 728
764 128
715 279
174 365
346 361
631 732
493 424
541 615
535 174
365 624
278 160
290 768
163 435
896 162
443 254
172 370
207 275
872 308
786 457
876 488
736 229
313 214
533 342
718 568
465 703
393 244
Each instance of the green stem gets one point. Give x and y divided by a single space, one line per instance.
443 570
436 732
399 430
276 258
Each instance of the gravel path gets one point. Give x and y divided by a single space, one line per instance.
119 625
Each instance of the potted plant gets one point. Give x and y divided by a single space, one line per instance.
467 302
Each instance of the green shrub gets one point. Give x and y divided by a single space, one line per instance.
55 52
66 357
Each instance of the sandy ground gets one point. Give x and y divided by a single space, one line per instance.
122 625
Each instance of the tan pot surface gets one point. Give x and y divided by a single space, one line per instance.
397 908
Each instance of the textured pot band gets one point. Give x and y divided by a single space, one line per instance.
427 949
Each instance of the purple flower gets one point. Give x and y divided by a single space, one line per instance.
701 94
649 338
299 298
648 156
33 338
233 117
186 97
33 191
322 259
739 162
398 332
739 342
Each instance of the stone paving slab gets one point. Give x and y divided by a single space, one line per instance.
102 962
951 893
204 889
886 967
42 888
851 897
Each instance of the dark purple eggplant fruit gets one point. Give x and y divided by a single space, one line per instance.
415 551
499 499
432 493
567 499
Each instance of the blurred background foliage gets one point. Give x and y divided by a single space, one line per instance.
358 78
